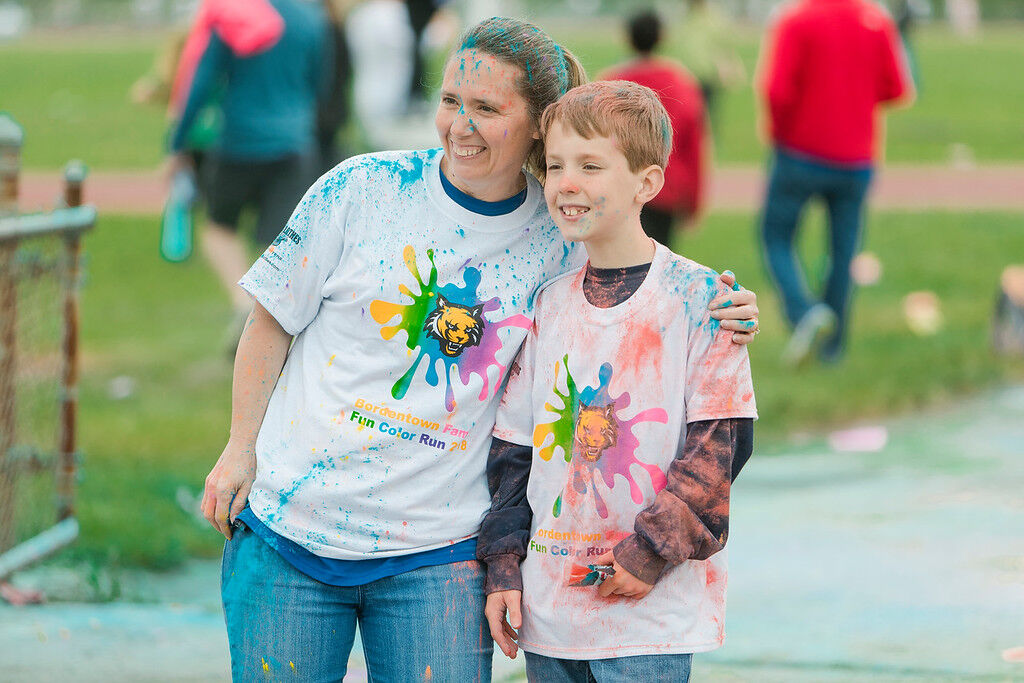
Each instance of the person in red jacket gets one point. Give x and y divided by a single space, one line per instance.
682 197
825 68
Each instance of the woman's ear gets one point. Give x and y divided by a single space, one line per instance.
652 179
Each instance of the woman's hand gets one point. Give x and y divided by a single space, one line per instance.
227 486
737 310
502 631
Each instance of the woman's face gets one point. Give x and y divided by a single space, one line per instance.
484 125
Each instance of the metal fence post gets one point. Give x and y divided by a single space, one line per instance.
74 176
11 138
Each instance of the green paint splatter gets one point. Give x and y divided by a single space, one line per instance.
565 422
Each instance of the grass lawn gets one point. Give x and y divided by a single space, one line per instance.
71 94
162 325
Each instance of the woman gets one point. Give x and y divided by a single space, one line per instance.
407 281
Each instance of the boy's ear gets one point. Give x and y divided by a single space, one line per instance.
652 179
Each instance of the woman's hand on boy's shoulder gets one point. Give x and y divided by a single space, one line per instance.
737 309
622 582
504 615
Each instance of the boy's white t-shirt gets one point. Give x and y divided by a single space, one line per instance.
603 396
407 309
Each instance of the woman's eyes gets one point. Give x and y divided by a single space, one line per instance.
553 167
450 101
591 167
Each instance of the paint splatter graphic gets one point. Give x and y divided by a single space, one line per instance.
445 323
594 439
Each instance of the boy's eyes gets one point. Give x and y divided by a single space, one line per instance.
591 167
553 167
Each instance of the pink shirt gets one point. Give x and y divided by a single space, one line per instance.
246 26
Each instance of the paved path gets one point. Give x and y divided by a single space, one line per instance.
732 188
901 565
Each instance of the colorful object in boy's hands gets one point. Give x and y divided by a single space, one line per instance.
590 575
176 223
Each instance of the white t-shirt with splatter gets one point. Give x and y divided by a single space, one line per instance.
407 309
603 396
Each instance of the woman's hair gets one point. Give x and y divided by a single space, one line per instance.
548 69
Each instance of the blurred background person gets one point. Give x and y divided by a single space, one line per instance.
382 42
247 27
907 14
825 68
421 13
264 157
709 46
335 107
680 200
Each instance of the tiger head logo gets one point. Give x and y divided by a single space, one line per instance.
596 430
454 326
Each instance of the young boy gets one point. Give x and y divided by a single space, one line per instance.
629 413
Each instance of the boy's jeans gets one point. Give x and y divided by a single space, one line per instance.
793 181
284 624
639 669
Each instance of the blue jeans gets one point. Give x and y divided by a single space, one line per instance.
424 624
793 181
641 668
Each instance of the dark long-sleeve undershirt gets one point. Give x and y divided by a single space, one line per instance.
689 518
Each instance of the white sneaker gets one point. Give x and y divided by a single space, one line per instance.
810 330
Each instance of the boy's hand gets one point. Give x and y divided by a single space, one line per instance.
737 310
502 631
622 583
227 486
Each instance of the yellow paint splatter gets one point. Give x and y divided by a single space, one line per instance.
292 665
266 667
330 361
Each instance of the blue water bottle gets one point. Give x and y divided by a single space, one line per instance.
176 224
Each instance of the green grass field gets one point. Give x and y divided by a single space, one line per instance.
162 325
71 94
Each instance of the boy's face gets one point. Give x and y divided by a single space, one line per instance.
590 190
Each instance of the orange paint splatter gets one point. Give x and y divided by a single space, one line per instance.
428 675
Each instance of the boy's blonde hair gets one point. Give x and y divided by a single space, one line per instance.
630 113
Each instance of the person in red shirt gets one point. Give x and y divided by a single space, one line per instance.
681 199
825 68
